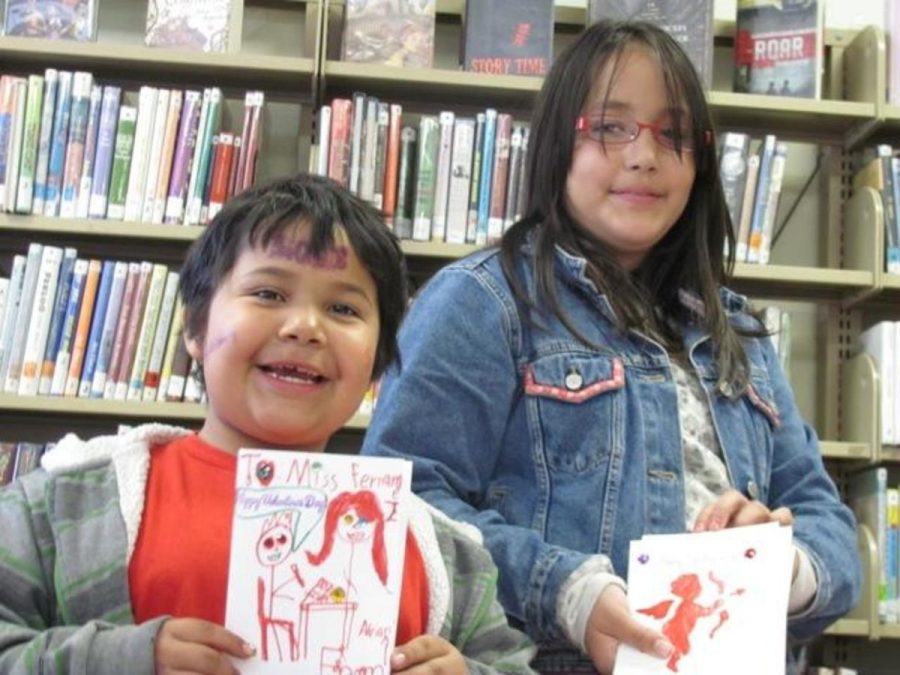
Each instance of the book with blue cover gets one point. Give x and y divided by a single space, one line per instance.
52 19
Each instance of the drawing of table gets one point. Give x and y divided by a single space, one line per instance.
329 615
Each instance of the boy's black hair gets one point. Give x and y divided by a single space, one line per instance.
252 218
690 256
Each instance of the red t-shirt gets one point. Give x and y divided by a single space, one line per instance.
180 561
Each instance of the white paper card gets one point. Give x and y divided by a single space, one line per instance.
317 548
719 597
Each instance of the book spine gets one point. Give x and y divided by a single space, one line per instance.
338 165
487 176
512 181
743 236
146 335
522 192
356 139
242 148
108 368
82 207
82 84
39 323
460 179
121 376
891 210
177 378
98 319
23 319
58 316
45 140
150 383
64 353
121 166
403 214
7 91
155 154
733 172
369 146
759 201
184 151
218 192
776 178
30 139
323 136
392 163
256 98
86 318
442 180
426 173
170 138
140 153
215 156
17 133
108 332
475 182
173 340
11 310
500 174
58 144
103 161
203 152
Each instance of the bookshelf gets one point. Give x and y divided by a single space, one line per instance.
842 281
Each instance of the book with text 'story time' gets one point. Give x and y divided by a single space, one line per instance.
317 559
690 22
202 25
54 19
508 37
778 47
392 32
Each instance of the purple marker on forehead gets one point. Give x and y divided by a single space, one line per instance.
297 250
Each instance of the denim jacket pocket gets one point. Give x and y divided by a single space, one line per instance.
573 397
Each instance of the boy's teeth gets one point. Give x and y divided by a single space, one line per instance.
294 375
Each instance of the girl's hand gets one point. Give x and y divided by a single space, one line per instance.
732 509
197 646
610 623
428 654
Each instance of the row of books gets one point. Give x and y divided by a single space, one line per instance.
448 178
880 170
875 499
825 670
19 458
752 181
72 148
882 342
93 328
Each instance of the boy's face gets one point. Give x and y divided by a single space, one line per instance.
289 347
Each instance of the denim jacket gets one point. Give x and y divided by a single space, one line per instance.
558 451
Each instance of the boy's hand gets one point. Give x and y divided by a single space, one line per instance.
610 623
732 509
428 654
197 646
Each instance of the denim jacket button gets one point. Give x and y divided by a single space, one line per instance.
574 381
752 490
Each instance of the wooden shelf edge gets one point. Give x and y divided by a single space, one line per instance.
849 627
845 450
806 276
98 228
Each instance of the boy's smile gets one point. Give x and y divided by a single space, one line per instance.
289 347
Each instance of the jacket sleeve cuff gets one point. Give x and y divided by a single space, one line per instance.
579 594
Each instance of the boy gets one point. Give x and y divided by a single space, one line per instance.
114 555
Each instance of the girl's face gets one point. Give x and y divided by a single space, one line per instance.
629 195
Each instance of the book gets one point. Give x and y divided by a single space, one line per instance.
91 347
747 202
67 335
426 174
475 182
174 344
460 178
82 84
121 163
45 139
689 22
766 155
103 155
499 175
30 140
398 33
111 323
58 142
406 183
52 19
201 25
140 153
442 179
392 163
167 155
86 319
11 310
14 149
149 384
155 152
7 462
127 308
776 178
329 530
486 176
133 383
779 48
41 317
508 37
733 172
323 136
184 149
82 206
64 287
878 173
16 346
516 164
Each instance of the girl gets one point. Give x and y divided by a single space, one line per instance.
591 380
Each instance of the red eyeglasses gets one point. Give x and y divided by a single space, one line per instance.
621 130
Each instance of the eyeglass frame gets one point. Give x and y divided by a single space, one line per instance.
582 124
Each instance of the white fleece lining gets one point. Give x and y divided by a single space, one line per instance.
422 528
